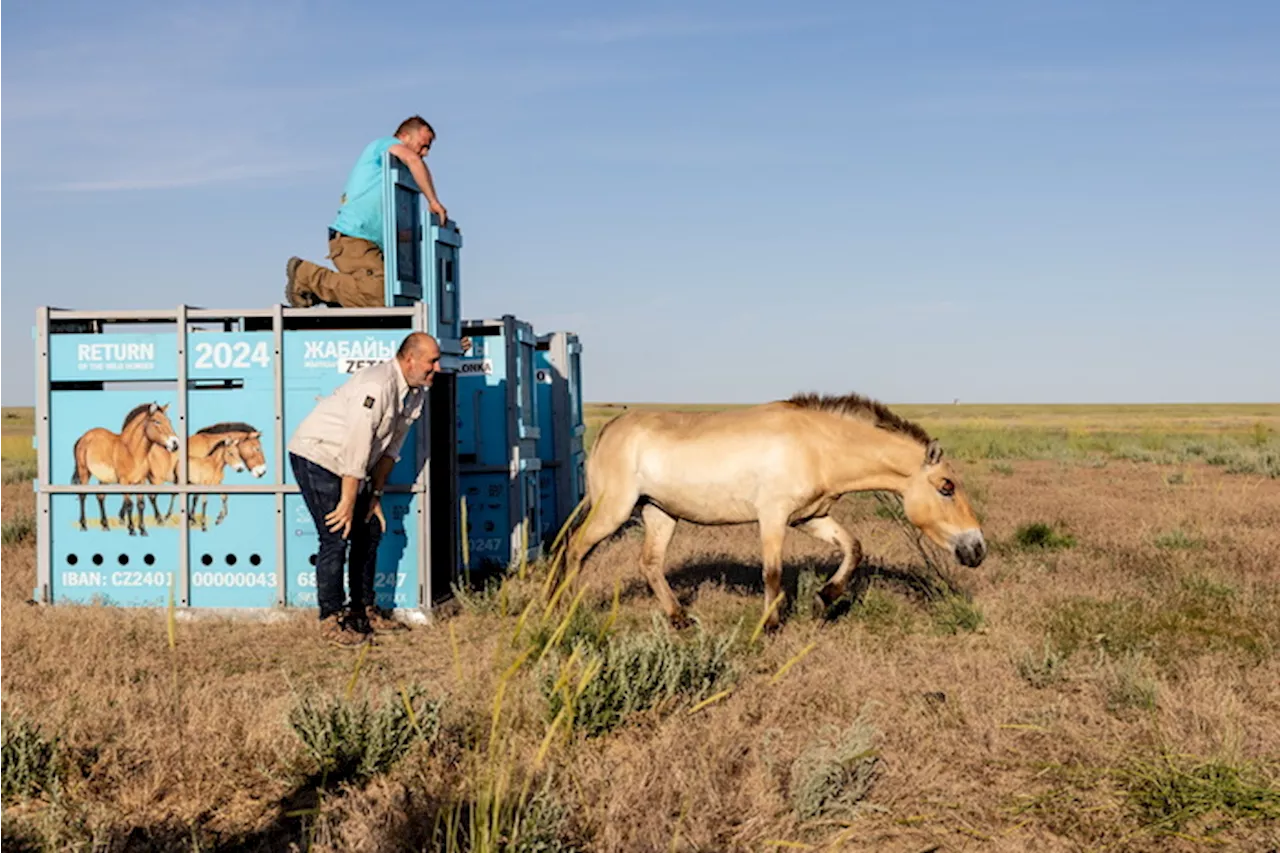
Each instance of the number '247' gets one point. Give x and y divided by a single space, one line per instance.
225 354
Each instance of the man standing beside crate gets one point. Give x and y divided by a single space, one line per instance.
356 236
341 455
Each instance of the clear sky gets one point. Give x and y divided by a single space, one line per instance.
995 200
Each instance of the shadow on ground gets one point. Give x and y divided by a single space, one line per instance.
919 582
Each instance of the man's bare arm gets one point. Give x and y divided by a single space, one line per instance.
422 175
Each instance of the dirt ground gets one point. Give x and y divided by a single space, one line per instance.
1106 680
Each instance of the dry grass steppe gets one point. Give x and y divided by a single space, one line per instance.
1107 679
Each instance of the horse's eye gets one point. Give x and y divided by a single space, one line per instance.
947 489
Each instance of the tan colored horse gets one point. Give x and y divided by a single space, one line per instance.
123 458
231 444
782 464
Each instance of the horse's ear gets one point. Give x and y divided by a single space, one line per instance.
253 434
153 408
933 455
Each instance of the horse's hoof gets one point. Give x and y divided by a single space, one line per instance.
681 621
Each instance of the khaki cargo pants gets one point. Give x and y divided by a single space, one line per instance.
358 283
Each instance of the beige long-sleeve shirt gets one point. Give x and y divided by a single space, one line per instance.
368 416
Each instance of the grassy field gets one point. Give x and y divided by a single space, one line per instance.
1107 680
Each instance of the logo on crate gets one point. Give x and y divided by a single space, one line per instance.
121 356
346 356
475 367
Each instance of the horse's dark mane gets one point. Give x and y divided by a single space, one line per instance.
226 426
134 413
862 408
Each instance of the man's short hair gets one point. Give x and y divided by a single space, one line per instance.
414 123
413 342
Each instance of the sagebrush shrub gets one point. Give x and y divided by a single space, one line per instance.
636 672
352 740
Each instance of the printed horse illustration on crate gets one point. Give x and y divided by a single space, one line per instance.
232 444
123 458
781 464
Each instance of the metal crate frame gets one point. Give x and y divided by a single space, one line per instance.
412 318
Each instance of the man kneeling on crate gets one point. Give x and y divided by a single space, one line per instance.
341 455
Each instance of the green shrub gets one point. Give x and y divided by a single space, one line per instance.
351 740
636 672
31 762
1167 792
17 529
1040 536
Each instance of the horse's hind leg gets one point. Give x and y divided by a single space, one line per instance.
141 503
773 531
658 530
102 510
603 519
126 512
829 530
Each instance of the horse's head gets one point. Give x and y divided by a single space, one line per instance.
936 504
251 453
231 453
158 429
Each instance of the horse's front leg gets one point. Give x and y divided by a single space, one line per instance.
222 514
826 529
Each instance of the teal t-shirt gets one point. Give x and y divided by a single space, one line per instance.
360 214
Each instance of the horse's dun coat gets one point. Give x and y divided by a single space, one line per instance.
233 444
781 464
123 458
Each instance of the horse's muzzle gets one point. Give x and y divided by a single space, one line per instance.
171 444
970 548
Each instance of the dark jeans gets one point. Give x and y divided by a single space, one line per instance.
322 489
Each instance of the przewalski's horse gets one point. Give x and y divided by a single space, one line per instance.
123 458
781 464
230 444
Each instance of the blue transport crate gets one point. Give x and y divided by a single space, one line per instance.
182 418
502 517
558 376
498 433
423 254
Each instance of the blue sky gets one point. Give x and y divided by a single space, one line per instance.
995 201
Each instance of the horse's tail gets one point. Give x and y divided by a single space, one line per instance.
78 462
579 514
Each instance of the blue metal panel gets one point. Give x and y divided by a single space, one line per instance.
498 507
117 357
397 577
316 362
559 380
233 564
421 261
109 566
497 403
